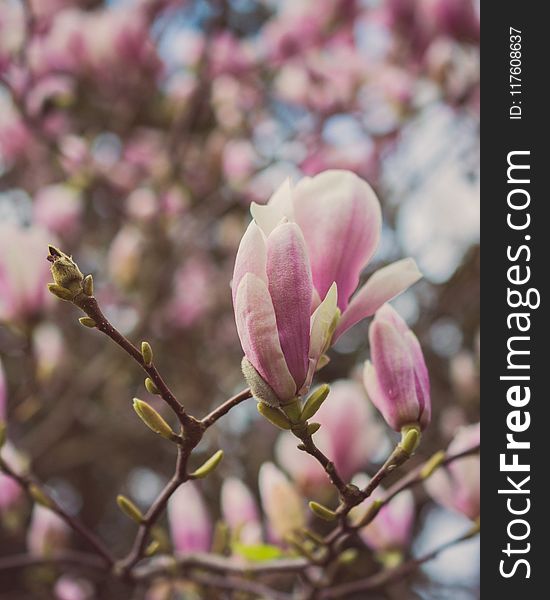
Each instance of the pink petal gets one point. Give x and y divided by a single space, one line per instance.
190 524
290 287
257 329
395 375
382 286
341 220
251 257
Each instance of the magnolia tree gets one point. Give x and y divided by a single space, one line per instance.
208 163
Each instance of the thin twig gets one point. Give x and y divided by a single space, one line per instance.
224 408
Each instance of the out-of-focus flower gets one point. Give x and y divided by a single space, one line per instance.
272 298
397 380
58 207
10 491
190 524
48 348
339 215
457 18
240 511
72 588
281 503
15 137
24 271
392 527
192 298
124 257
47 533
238 160
456 486
349 435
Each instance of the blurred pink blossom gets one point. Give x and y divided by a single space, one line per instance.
68 587
457 485
10 491
240 511
124 258
58 207
190 524
47 532
24 271
391 530
350 435
281 503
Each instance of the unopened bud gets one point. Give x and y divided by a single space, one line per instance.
152 419
410 438
147 353
208 467
371 512
314 402
3 434
348 556
322 511
313 428
87 322
65 271
293 411
88 285
152 548
129 508
151 387
61 292
274 416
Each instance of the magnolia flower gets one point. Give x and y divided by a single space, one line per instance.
68 587
339 215
47 532
397 380
190 524
456 486
240 511
272 298
349 434
24 272
281 503
391 529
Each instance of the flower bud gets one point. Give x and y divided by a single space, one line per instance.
147 353
322 511
397 380
208 467
129 508
151 387
274 416
314 402
190 524
65 271
152 419
87 322
88 285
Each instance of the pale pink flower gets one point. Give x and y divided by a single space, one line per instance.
397 380
456 486
68 587
190 524
339 215
58 207
282 505
47 532
49 349
124 258
238 160
350 436
240 511
24 271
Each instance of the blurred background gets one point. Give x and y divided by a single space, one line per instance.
134 135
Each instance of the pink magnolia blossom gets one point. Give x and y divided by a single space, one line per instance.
24 271
456 486
47 533
392 528
124 257
397 380
282 505
339 215
349 435
58 207
240 511
190 524
272 298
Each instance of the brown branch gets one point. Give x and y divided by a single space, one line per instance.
391 575
28 482
70 559
224 408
